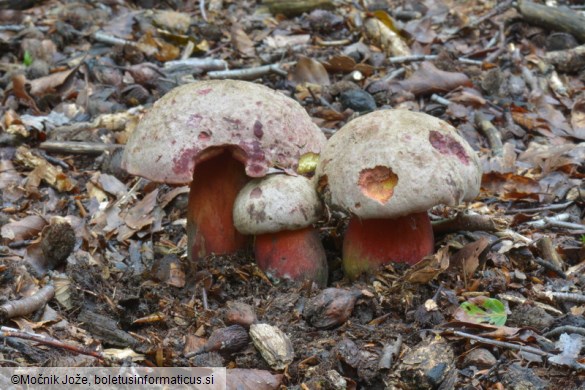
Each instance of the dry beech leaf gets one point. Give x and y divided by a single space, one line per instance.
252 379
273 344
43 170
467 258
578 118
52 82
24 229
344 64
310 71
19 90
510 186
141 214
242 41
428 268
428 79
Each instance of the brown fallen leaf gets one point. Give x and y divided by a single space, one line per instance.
140 214
19 90
242 41
429 267
428 79
467 258
310 71
24 229
52 82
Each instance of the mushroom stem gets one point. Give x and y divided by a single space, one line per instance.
370 243
292 254
210 228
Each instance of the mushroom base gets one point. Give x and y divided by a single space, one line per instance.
210 228
296 255
371 243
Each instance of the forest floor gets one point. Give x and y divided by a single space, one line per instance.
95 259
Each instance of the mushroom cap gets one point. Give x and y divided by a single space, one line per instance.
276 203
263 128
392 163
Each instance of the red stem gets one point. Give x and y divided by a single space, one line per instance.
369 244
210 227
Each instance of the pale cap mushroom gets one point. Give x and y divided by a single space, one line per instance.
280 210
387 168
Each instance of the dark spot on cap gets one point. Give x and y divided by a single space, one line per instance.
447 145
204 91
256 193
258 132
204 136
182 163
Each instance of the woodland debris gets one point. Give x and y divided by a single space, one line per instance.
553 18
273 344
28 305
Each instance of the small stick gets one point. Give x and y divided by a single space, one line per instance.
412 58
553 207
521 300
248 73
72 147
503 344
564 329
27 305
545 245
439 99
561 296
205 64
340 42
202 9
46 340
551 266
111 40
490 132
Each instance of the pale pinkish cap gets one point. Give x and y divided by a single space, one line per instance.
263 129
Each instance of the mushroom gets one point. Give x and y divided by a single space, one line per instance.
386 169
215 135
280 211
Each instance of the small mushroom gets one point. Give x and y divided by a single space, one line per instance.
280 210
216 135
386 169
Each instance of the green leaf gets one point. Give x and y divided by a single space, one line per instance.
27 59
490 311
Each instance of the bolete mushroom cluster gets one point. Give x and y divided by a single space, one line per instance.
217 135
386 169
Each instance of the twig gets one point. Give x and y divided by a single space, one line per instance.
46 340
204 64
439 99
561 296
552 207
548 251
394 74
202 9
340 42
412 58
468 222
20 27
248 73
503 344
27 305
554 18
88 148
490 132
544 306
111 40
551 266
552 222
564 329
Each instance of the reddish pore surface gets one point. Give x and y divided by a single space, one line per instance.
210 227
297 255
371 243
